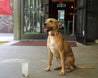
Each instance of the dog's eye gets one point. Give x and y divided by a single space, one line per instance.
51 21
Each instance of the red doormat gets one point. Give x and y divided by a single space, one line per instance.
38 43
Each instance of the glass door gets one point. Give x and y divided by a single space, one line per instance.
61 18
32 20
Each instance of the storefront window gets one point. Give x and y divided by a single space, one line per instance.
33 17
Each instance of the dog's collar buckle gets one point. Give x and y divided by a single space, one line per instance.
53 34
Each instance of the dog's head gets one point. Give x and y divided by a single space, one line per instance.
51 24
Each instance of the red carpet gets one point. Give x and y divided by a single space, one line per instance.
39 43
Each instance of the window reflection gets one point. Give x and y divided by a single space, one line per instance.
33 17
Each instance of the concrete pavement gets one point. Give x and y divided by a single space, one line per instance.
11 58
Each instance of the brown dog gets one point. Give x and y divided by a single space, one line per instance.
60 48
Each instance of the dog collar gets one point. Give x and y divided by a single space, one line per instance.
53 34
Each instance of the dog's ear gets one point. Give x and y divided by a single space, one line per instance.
59 24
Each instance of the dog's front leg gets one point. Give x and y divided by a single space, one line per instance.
62 63
50 61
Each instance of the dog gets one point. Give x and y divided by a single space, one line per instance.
59 48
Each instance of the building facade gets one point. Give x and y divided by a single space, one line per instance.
30 15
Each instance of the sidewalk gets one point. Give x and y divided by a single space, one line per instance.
11 58
6 37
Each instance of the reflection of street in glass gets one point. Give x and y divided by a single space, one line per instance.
32 17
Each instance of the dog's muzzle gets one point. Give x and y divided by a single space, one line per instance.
46 28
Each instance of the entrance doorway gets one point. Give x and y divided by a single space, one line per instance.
75 17
63 11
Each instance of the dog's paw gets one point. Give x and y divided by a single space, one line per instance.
57 68
47 69
62 73
68 70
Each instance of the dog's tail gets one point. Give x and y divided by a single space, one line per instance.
83 67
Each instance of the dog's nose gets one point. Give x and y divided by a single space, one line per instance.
45 24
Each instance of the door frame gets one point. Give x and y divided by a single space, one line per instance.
82 37
17 20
